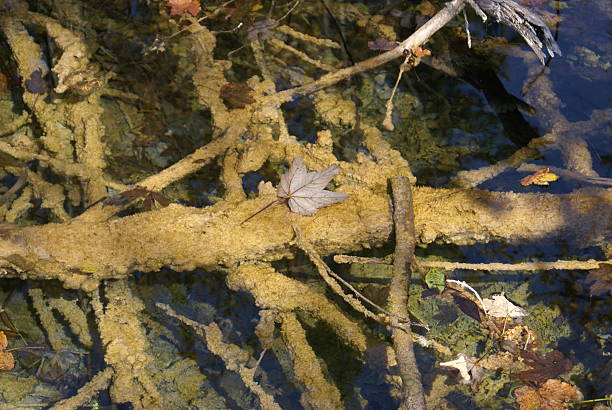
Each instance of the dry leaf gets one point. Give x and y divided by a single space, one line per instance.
236 95
541 177
261 29
468 370
542 369
382 44
499 306
7 361
419 52
305 190
551 396
426 8
602 280
179 7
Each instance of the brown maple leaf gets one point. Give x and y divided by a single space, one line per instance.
542 369
552 395
601 279
178 7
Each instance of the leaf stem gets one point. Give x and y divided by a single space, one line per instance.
264 208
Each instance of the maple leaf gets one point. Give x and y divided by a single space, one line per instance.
541 177
305 190
178 7
602 280
551 367
552 395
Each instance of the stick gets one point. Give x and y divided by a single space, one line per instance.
403 217
417 38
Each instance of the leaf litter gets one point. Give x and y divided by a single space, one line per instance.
305 191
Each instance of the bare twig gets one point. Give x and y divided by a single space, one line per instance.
331 277
403 217
417 38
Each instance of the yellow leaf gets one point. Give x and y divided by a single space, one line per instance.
541 177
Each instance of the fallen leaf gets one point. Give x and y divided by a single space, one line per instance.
468 370
552 395
36 84
7 361
467 306
434 278
237 95
419 52
261 29
542 369
426 8
499 306
178 7
602 280
305 190
541 177
382 44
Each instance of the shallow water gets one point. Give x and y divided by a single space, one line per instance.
444 125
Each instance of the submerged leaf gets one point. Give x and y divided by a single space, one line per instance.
542 369
499 306
305 190
179 7
552 395
600 280
541 177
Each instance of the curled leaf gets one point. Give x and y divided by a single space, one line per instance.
499 306
541 177
305 190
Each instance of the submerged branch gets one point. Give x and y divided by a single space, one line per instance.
186 238
403 217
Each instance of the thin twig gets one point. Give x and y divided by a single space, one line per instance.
403 218
328 274
417 38
521 266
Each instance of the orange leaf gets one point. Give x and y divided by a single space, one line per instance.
553 395
7 361
541 177
184 6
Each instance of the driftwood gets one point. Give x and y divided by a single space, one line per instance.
82 253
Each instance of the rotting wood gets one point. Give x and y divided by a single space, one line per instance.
405 240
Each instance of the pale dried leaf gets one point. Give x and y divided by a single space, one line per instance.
464 364
499 306
305 190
